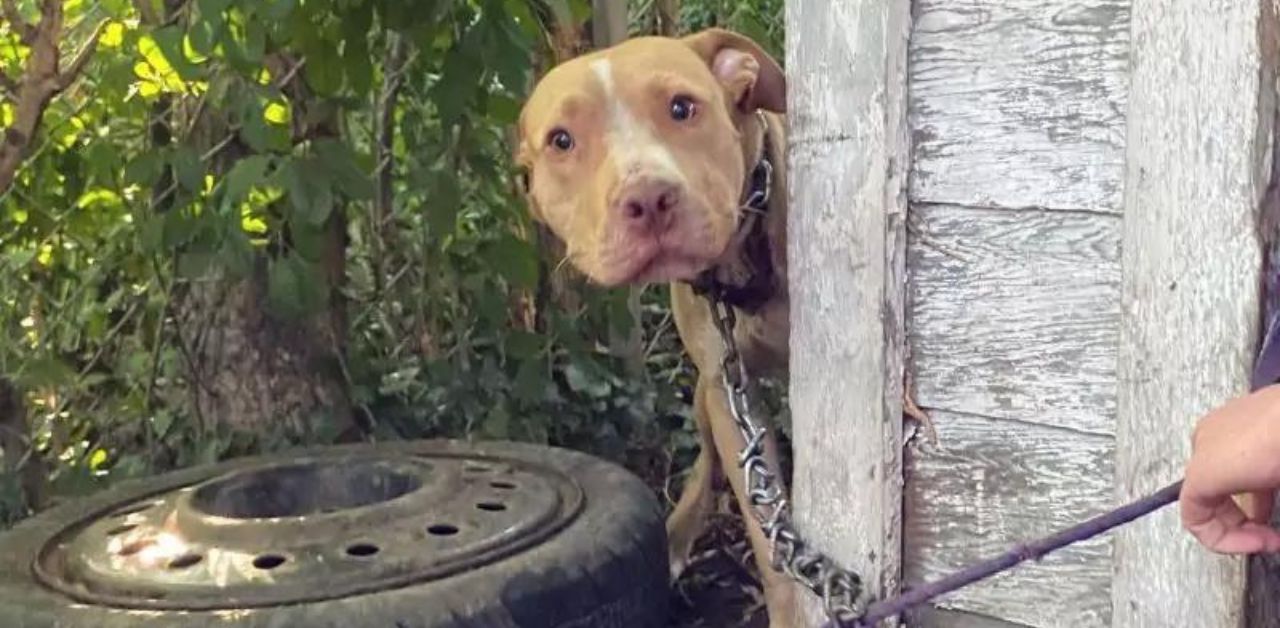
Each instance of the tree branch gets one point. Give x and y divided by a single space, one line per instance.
666 17
25 30
41 81
68 76
148 12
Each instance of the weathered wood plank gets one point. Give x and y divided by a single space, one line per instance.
1195 173
1019 103
995 483
849 150
1014 314
929 617
608 22
1263 596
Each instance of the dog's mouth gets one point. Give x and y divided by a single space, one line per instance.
669 266
655 263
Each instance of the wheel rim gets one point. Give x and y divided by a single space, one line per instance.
312 528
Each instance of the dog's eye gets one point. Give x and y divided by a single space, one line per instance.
682 108
560 140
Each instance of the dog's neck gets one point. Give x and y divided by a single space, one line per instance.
747 276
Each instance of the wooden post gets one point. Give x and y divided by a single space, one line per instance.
1198 126
848 157
608 22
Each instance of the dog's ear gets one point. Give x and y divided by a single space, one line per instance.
522 174
753 79
522 160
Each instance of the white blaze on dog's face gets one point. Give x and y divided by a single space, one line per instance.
634 154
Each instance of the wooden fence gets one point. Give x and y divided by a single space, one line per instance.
1044 214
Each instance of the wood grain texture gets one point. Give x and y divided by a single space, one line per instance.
1019 103
1263 597
1014 314
929 617
1195 173
995 483
608 22
848 156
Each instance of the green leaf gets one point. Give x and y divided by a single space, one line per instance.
179 228
212 9
46 372
323 70
514 259
98 459
295 287
581 10
145 169
104 161
187 166
255 41
169 39
519 12
506 53
498 423
308 240
151 233
205 33
443 204
457 83
237 253
308 189
522 345
580 381
357 61
284 288
576 379
279 10
254 129
19 258
503 109
247 173
530 381
196 264
340 163
398 382
161 421
118 8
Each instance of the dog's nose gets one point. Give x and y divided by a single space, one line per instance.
648 206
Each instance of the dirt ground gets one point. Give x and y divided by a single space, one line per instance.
720 589
721 586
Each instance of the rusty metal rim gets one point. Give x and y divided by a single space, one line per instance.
569 508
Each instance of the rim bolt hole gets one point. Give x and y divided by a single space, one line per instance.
362 550
185 561
268 561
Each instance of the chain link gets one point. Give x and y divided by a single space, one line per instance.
839 588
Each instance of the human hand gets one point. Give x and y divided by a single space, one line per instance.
1235 450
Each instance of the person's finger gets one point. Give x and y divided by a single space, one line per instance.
1198 508
1249 538
1259 505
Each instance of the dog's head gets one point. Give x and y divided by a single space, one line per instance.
633 155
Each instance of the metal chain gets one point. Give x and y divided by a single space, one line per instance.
839 588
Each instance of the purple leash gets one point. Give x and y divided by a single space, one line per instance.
1266 371
896 605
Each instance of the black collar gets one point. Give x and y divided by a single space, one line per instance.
760 284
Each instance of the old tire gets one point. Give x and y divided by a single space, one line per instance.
604 568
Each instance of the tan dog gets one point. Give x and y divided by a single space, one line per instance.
642 158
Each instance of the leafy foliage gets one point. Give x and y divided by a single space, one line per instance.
209 136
